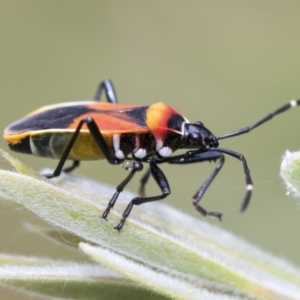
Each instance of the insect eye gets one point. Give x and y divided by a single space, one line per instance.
195 137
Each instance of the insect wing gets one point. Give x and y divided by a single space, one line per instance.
115 118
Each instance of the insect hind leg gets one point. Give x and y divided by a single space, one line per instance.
74 165
108 87
99 139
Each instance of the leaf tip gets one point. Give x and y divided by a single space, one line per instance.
290 172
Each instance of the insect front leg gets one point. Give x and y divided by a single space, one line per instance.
96 134
201 157
249 184
163 184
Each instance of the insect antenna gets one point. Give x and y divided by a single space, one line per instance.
285 107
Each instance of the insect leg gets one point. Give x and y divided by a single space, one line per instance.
109 89
111 97
283 108
163 184
201 157
95 132
249 183
144 181
137 166
75 165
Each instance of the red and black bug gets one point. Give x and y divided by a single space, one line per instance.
142 134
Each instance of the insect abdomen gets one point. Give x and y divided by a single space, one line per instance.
53 144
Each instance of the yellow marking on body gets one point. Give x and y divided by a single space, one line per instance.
157 114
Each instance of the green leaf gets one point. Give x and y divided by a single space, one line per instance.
68 280
160 240
61 237
175 288
290 172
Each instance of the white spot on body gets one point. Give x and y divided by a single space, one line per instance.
165 151
119 154
140 153
116 142
159 144
33 148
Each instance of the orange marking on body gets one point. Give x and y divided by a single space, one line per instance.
157 117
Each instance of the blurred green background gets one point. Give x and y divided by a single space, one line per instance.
226 63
